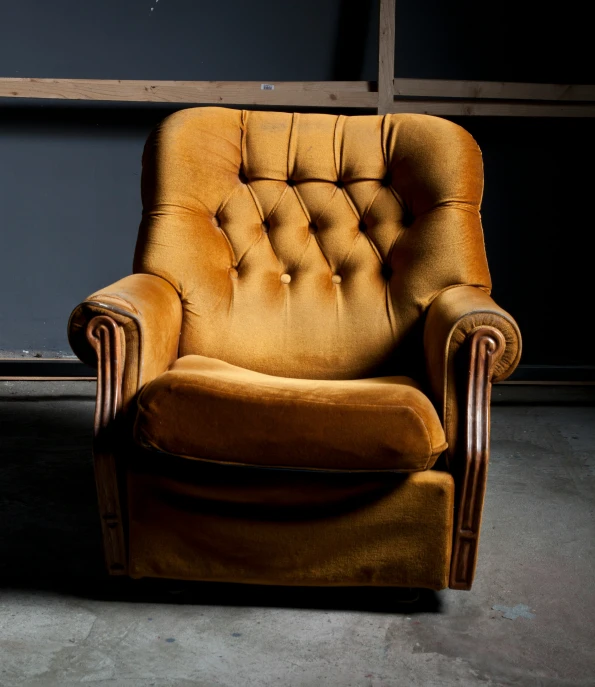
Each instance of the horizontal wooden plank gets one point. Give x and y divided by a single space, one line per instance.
453 108
325 94
47 379
71 368
286 93
93 379
495 90
67 368
508 382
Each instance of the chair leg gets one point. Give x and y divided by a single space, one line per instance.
486 347
104 334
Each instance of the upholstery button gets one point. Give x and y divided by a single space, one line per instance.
312 228
233 273
387 272
266 225
339 183
243 177
215 221
290 182
386 181
336 279
362 226
285 278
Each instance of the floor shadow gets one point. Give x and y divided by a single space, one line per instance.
369 599
49 524
50 531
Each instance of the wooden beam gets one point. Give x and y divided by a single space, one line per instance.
445 108
285 93
51 379
327 94
495 90
386 55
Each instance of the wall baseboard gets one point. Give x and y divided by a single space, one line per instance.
58 368
559 374
50 368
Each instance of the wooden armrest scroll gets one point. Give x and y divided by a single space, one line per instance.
486 348
105 336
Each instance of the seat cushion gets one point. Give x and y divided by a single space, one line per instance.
206 409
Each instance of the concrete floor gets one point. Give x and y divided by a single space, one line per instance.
63 623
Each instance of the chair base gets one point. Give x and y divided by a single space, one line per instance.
189 522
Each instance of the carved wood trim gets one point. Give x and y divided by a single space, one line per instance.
105 336
486 346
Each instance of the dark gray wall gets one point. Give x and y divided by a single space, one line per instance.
69 172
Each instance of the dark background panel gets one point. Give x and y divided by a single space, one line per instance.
306 40
177 40
538 230
507 40
69 193
69 172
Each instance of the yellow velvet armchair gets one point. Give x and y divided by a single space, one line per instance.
294 384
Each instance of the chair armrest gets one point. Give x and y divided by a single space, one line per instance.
130 332
469 342
142 314
451 320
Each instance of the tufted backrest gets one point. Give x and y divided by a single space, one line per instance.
309 245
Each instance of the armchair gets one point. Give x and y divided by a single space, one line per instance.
262 414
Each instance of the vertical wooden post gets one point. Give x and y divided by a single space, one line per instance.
386 56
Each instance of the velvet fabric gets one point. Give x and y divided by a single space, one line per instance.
309 245
204 408
283 260
451 318
289 528
149 312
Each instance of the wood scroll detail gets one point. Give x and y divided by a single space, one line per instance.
105 336
486 348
